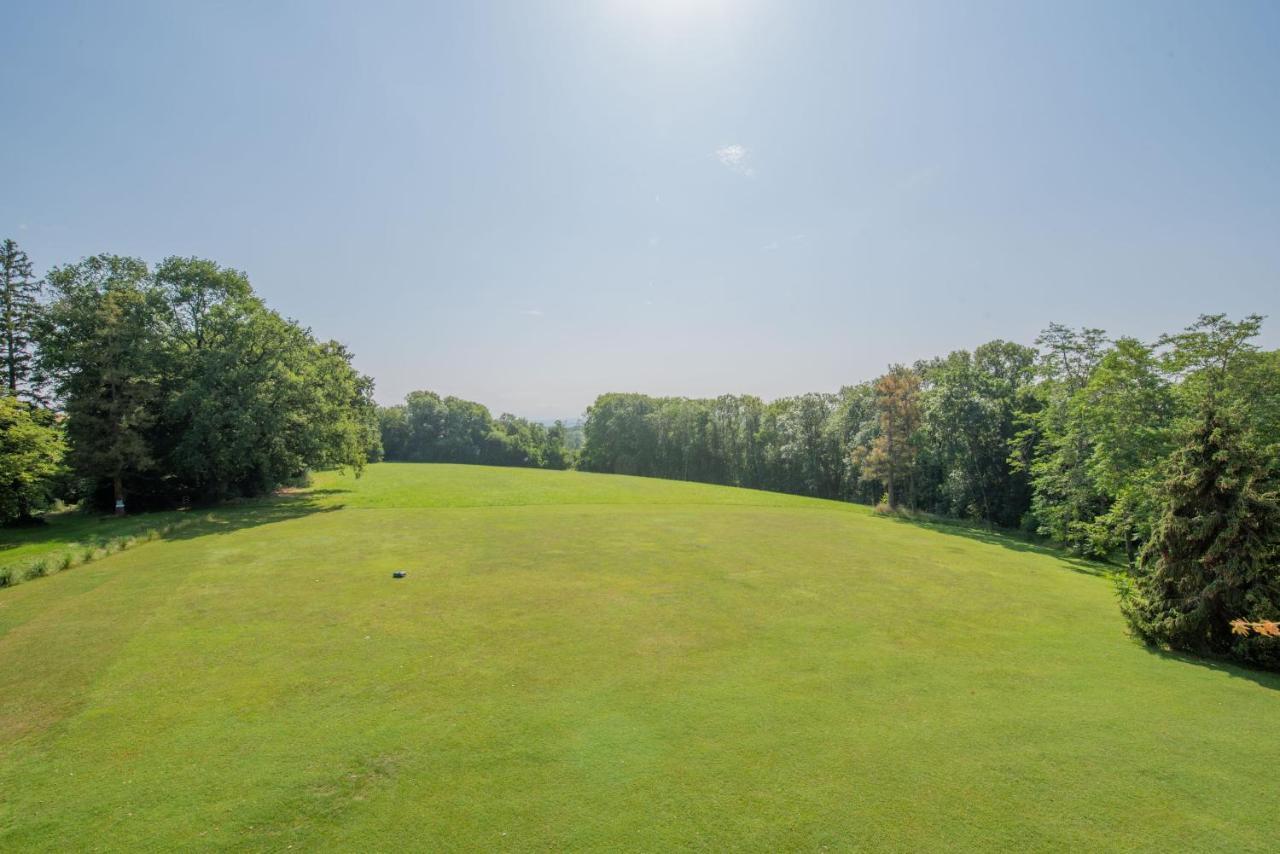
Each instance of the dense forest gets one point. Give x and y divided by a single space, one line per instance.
139 387
134 387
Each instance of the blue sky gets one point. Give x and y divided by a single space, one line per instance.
528 204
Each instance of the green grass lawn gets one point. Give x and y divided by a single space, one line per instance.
72 530
594 662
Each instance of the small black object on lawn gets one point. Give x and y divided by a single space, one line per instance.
399 573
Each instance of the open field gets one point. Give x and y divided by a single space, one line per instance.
597 662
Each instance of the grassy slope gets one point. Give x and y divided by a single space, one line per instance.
71 530
591 661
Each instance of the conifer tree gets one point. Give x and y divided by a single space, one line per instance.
19 306
891 457
1214 556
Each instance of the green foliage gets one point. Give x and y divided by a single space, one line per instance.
1257 382
619 435
1214 555
790 445
19 312
1069 440
37 569
393 429
429 429
972 403
1127 408
1105 426
102 342
803 455
31 453
263 404
1065 502
828 445
179 385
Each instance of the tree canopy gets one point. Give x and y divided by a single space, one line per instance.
180 385
429 429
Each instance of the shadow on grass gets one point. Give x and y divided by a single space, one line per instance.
328 490
252 513
117 534
1265 678
1012 540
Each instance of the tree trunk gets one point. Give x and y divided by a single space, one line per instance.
118 488
11 348
11 356
893 492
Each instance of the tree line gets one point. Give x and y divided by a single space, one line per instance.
1164 456
141 387
132 386
429 429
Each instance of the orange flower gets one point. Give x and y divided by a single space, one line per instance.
1240 627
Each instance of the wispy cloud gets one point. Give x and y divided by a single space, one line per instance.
531 312
737 158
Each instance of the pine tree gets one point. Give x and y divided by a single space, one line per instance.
19 307
1214 555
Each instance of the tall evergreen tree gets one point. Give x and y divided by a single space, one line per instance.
19 308
1214 555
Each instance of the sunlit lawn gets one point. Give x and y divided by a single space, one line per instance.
72 530
592 662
